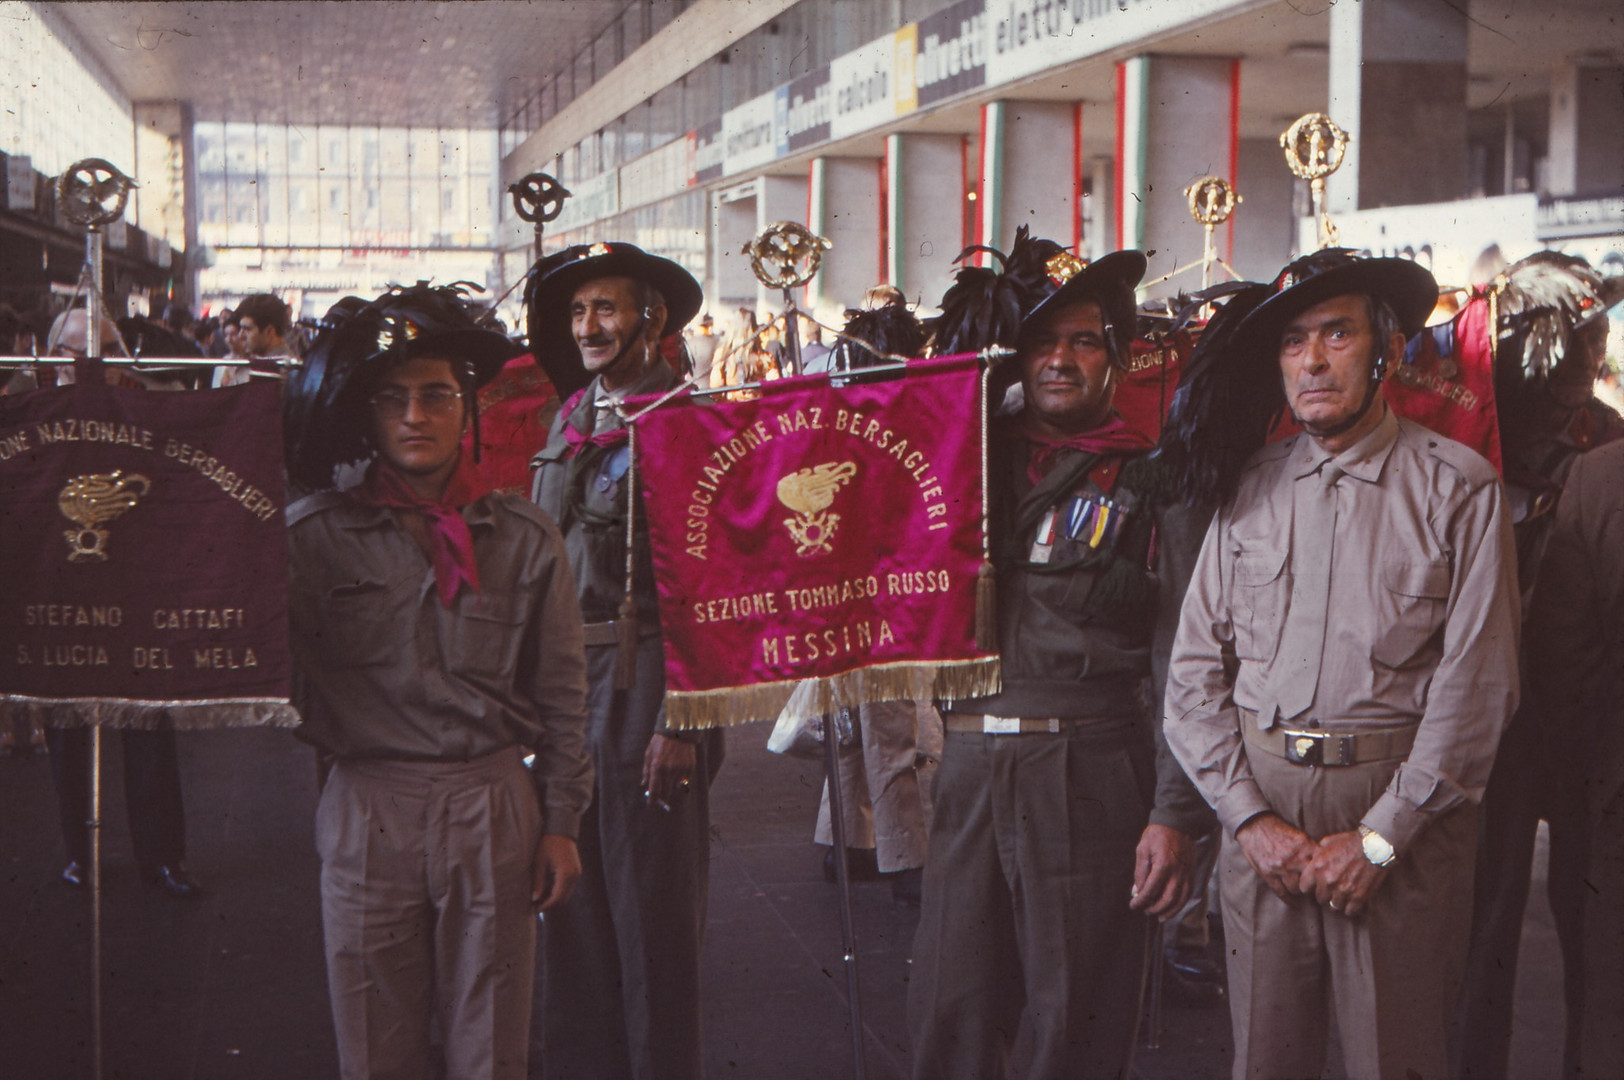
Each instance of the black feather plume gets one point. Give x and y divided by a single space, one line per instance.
889 330
1225 405
985 307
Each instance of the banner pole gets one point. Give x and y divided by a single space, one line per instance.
95 899
848 925
93 302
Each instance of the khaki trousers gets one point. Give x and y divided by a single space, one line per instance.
884 788
1387 980
425 902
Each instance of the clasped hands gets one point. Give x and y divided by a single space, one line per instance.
1333 870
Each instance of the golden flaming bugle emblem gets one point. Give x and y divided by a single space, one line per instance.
94 500
810 492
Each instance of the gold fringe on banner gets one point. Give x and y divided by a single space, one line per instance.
908 681
140 714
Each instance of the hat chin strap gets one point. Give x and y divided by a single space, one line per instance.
635 338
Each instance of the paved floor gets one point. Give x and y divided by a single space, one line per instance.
232 986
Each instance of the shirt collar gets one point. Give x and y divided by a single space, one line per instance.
598 410
1363 460
359 515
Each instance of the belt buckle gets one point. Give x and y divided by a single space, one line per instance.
1305 748
1309 748
1000 725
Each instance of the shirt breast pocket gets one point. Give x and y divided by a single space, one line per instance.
1411 606
363 624
486 633
1262 588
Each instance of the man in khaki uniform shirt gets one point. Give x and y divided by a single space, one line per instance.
439 642
1345 661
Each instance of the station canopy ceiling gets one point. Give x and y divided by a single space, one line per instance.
395 63
469 63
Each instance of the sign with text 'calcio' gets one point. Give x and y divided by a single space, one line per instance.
145 556
818 532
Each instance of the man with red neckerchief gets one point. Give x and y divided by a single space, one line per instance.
439 641
621 997
1059 823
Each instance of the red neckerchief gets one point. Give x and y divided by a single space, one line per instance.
451 543
1112 441
575 438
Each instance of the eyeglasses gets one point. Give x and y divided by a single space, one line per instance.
393 404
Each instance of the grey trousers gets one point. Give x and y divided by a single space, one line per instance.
622 999
1387 979
885 788
1025 911
426 872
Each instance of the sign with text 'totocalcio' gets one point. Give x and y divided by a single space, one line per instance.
145 555
818 532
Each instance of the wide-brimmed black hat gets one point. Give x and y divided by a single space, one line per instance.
1407 287
322 416
554 279
1109 280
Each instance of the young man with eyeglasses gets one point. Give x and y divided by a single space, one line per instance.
439 639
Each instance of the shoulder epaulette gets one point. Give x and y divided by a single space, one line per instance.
1473 468
1274 451
313 504
521 507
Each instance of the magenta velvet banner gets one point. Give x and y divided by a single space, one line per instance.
145 556
818 532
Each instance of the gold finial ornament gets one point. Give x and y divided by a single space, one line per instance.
1212 202
94 500
786 255
1314 146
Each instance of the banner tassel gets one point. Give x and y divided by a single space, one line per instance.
987 607
626 645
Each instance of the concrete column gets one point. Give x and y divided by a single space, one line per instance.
1398 86
737 216
733 223
845 209
924 212
1101 238
166 172
1031 162
1176 122
1587 131
1263 225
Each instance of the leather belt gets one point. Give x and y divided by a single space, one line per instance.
1318 746
978 724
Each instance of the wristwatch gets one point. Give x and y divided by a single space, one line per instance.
1377 848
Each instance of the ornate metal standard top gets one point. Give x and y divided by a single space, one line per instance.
1314 146
93 192
1212 200
787 254
538 197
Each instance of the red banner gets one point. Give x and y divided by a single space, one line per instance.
146 556
1452 394
820 532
